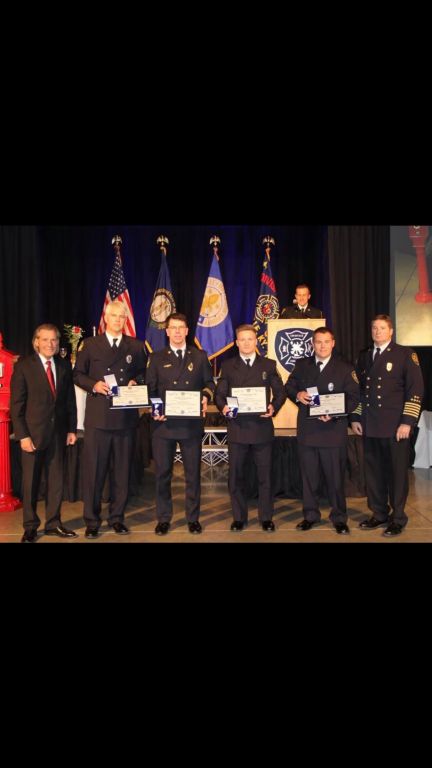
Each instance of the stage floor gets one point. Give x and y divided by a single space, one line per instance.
216 517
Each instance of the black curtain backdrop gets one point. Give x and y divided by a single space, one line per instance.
60 274
359 269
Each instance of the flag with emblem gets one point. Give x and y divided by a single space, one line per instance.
117 291
267 305
214 331
163 305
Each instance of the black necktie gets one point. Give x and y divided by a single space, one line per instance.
179 354
115 343
318 365
377 352
247 361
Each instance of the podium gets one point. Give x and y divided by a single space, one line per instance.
289 341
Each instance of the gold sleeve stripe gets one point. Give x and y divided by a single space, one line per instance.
358 410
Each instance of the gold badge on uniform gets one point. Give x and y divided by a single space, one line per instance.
389 366
414 358
354 376
190 367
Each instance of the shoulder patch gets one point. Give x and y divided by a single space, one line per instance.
354 375
414 358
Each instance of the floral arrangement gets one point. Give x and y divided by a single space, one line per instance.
73 334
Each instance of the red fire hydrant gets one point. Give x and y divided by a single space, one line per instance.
8 503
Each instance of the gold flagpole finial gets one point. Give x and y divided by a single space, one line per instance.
215 240
116 241
268 241
162 241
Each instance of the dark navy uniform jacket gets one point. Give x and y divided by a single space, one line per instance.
98 359
391 390
292 313
166 371
250 429
336 377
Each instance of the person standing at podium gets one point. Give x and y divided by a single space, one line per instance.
301 307
322 440
252 433
44 418
391 385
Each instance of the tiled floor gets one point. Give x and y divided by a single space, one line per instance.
216 518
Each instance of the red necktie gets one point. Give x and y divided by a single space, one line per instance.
50 375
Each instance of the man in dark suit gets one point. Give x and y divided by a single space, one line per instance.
250 433
178 367
106 431
301 307
44 417
391 386
322 441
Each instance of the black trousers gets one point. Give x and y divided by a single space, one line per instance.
163 454
98 445
332 461
50 462
262 456
386 467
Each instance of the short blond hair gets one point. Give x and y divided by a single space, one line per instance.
245 327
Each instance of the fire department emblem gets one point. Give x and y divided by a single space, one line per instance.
291 345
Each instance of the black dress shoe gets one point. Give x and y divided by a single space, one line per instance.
29 536
162 528
268 525
305 525
119 528
394 529
341 528
64 533
371 523
91 533
237 526
195 527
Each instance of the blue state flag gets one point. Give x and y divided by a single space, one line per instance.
163 305
267 305
214 331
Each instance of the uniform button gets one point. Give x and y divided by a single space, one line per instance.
187 382
368 378
379 397
379 386
379 378
367 395
174 382
121 379
121 370
368 404
367 386
379 405
108 369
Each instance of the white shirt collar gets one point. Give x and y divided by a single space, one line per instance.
324 362
111 339
382 346
249 357
176 349
45 360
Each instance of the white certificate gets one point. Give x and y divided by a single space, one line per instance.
183 404
131 397
250 399
330 405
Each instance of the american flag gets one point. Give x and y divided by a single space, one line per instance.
117 291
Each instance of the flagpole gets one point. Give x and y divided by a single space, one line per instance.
116 242
215 241
162 241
